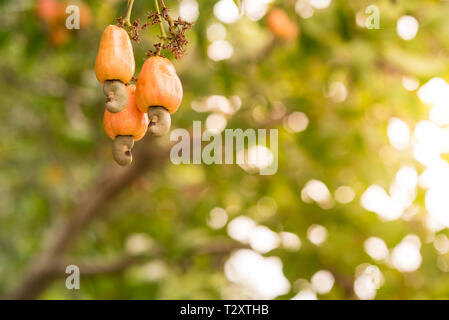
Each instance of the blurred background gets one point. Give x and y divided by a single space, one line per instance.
358 209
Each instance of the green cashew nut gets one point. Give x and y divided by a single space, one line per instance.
116 94
160 121
121 150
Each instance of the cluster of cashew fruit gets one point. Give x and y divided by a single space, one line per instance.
131 110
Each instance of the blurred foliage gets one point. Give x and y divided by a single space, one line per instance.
52 147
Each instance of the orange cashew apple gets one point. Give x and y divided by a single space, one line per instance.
125 127
159 92
115 59
115 66
131 121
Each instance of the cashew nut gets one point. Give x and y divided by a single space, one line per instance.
160 121
116 94
121 150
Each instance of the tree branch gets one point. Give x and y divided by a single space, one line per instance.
46 265
94 268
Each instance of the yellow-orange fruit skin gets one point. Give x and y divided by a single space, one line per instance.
115 59
280 24
128 122
158 85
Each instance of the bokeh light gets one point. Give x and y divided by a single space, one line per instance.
304 9
296 122
376 248
218 217
255 9
240 228
399 133
406 256
368 280
220 50
226 11
189 10
317 234
320 4
263 240
344 194
407 27
323 281
216 31
290 241
261 276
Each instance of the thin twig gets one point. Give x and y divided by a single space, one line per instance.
161 24
128 12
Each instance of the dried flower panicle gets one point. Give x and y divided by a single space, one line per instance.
133 29
156 51
175 41
153 18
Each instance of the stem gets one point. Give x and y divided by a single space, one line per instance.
161 24
169 20
128 12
